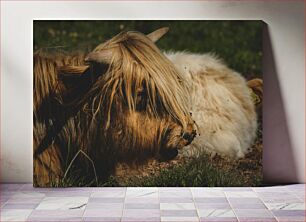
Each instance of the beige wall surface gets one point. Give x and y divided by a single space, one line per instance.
284 71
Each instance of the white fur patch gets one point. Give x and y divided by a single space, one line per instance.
221 105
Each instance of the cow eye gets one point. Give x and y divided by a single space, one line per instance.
141 101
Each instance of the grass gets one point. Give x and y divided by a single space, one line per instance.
239 43
199 172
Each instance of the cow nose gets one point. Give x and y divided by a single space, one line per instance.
189 136
186 136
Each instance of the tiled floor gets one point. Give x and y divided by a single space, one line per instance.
22 202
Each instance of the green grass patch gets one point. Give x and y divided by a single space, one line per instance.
239 43
199 172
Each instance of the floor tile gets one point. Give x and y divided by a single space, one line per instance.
248 206
254 213
10 186
256 219
218 219
178 213
216 213
289 213
210 200
176 200
3 200
136 192
112 192
57 213
285 206
103 213
291 219
108 189
20 206
25 194
141 206
15 214
300 195
179 219
175 193
140 219
68 193
274 197
280 200
240 194
27 187
97 205
62 203
213 205
202 192
175 189
25 200
101 219
142 200
177 206
246 200
301 186
238 189
54 219
277 189
142 213
105 200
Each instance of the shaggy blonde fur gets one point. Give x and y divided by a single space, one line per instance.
221 105
124 102
136 63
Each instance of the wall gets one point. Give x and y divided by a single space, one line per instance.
284 66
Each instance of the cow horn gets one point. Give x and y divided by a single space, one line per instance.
102 56
157 34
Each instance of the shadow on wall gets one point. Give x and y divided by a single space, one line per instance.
278 160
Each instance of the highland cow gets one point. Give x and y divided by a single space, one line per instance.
126 101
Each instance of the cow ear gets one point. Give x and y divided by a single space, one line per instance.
157 34
102 56
72 70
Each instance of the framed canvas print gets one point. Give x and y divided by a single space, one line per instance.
147 103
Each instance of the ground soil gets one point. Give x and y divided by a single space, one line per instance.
250 166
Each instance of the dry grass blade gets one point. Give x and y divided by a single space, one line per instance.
74 158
